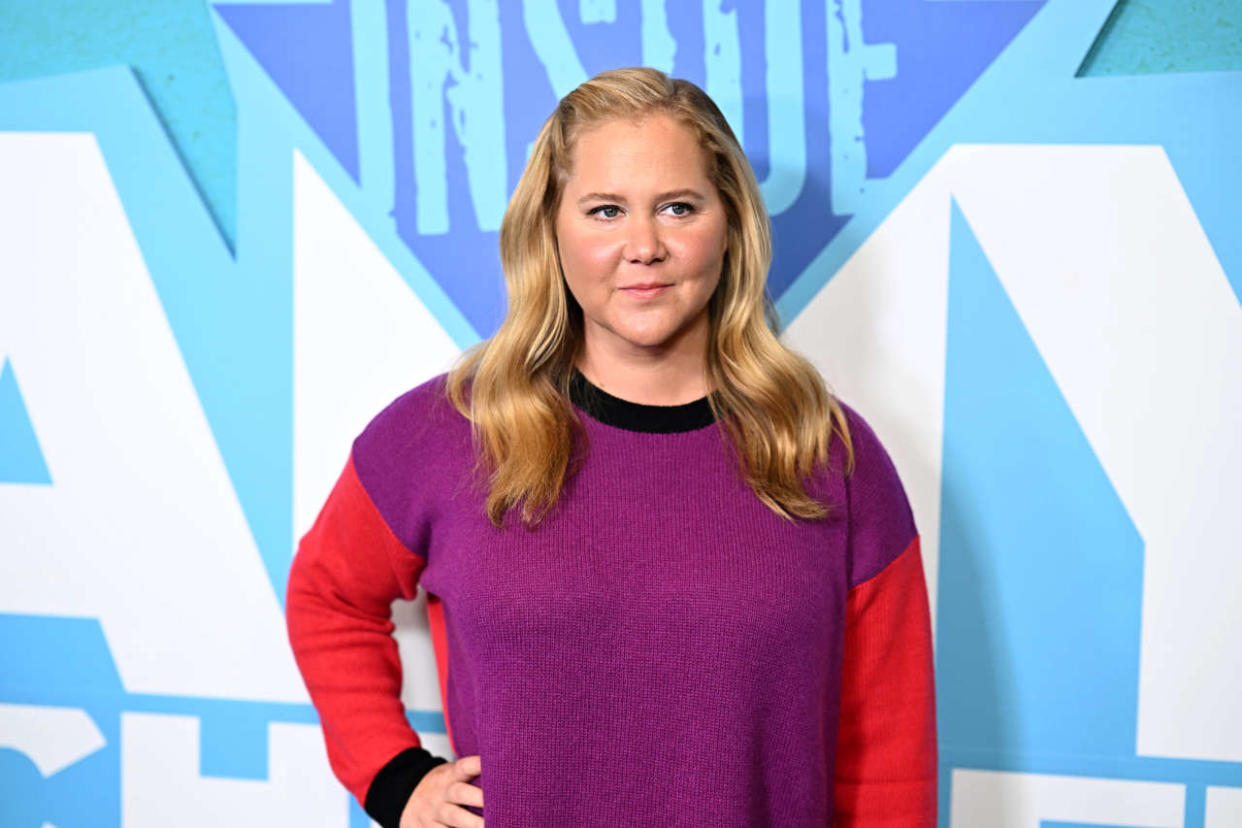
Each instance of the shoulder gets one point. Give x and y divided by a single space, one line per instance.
420 430
865 445
422 409
881 520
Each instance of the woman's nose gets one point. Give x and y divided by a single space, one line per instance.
644 243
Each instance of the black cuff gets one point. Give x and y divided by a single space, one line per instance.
391 788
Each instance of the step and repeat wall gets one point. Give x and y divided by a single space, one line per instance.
1026 276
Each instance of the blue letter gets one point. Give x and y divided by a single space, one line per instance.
436 62
550 40
850 64
786 111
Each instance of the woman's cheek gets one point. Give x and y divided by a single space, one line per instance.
602 254
699 249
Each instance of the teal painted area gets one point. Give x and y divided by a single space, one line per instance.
21 460
1144 37
170 45
1195 813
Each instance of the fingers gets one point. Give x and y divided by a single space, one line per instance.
457 817
438 798
461 792
469 766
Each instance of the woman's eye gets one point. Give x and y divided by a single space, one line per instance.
680 208
604 208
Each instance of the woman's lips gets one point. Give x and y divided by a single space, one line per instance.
645 292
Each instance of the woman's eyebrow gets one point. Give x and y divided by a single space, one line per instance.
685 192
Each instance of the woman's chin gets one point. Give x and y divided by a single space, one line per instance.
650 339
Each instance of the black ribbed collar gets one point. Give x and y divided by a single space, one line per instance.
653 419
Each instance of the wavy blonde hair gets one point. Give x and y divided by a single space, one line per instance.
771 402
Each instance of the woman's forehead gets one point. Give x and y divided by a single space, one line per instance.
655 150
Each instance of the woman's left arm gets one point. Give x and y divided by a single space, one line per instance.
886 763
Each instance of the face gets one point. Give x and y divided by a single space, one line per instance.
642 233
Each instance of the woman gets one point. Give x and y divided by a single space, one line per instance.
670 579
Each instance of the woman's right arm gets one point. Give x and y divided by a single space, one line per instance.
348 569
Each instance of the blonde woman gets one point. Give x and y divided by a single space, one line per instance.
670 579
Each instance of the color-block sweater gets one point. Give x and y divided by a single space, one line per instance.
662 650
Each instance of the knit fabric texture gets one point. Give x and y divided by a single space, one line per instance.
663 649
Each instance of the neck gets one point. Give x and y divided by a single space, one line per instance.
658 384
674 376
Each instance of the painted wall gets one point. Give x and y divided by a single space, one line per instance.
1006 233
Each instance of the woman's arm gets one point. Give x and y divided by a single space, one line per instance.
348 570
886 764
886 745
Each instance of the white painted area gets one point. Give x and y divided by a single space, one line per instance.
361 338
876 332
161 784
52 737
995 799
438 744
1114 278
1224 808
420 686
141 527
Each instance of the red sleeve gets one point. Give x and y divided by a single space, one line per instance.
886 763
348 570
886 745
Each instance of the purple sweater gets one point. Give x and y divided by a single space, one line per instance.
662 650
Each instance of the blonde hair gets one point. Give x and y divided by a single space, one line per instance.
771 402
